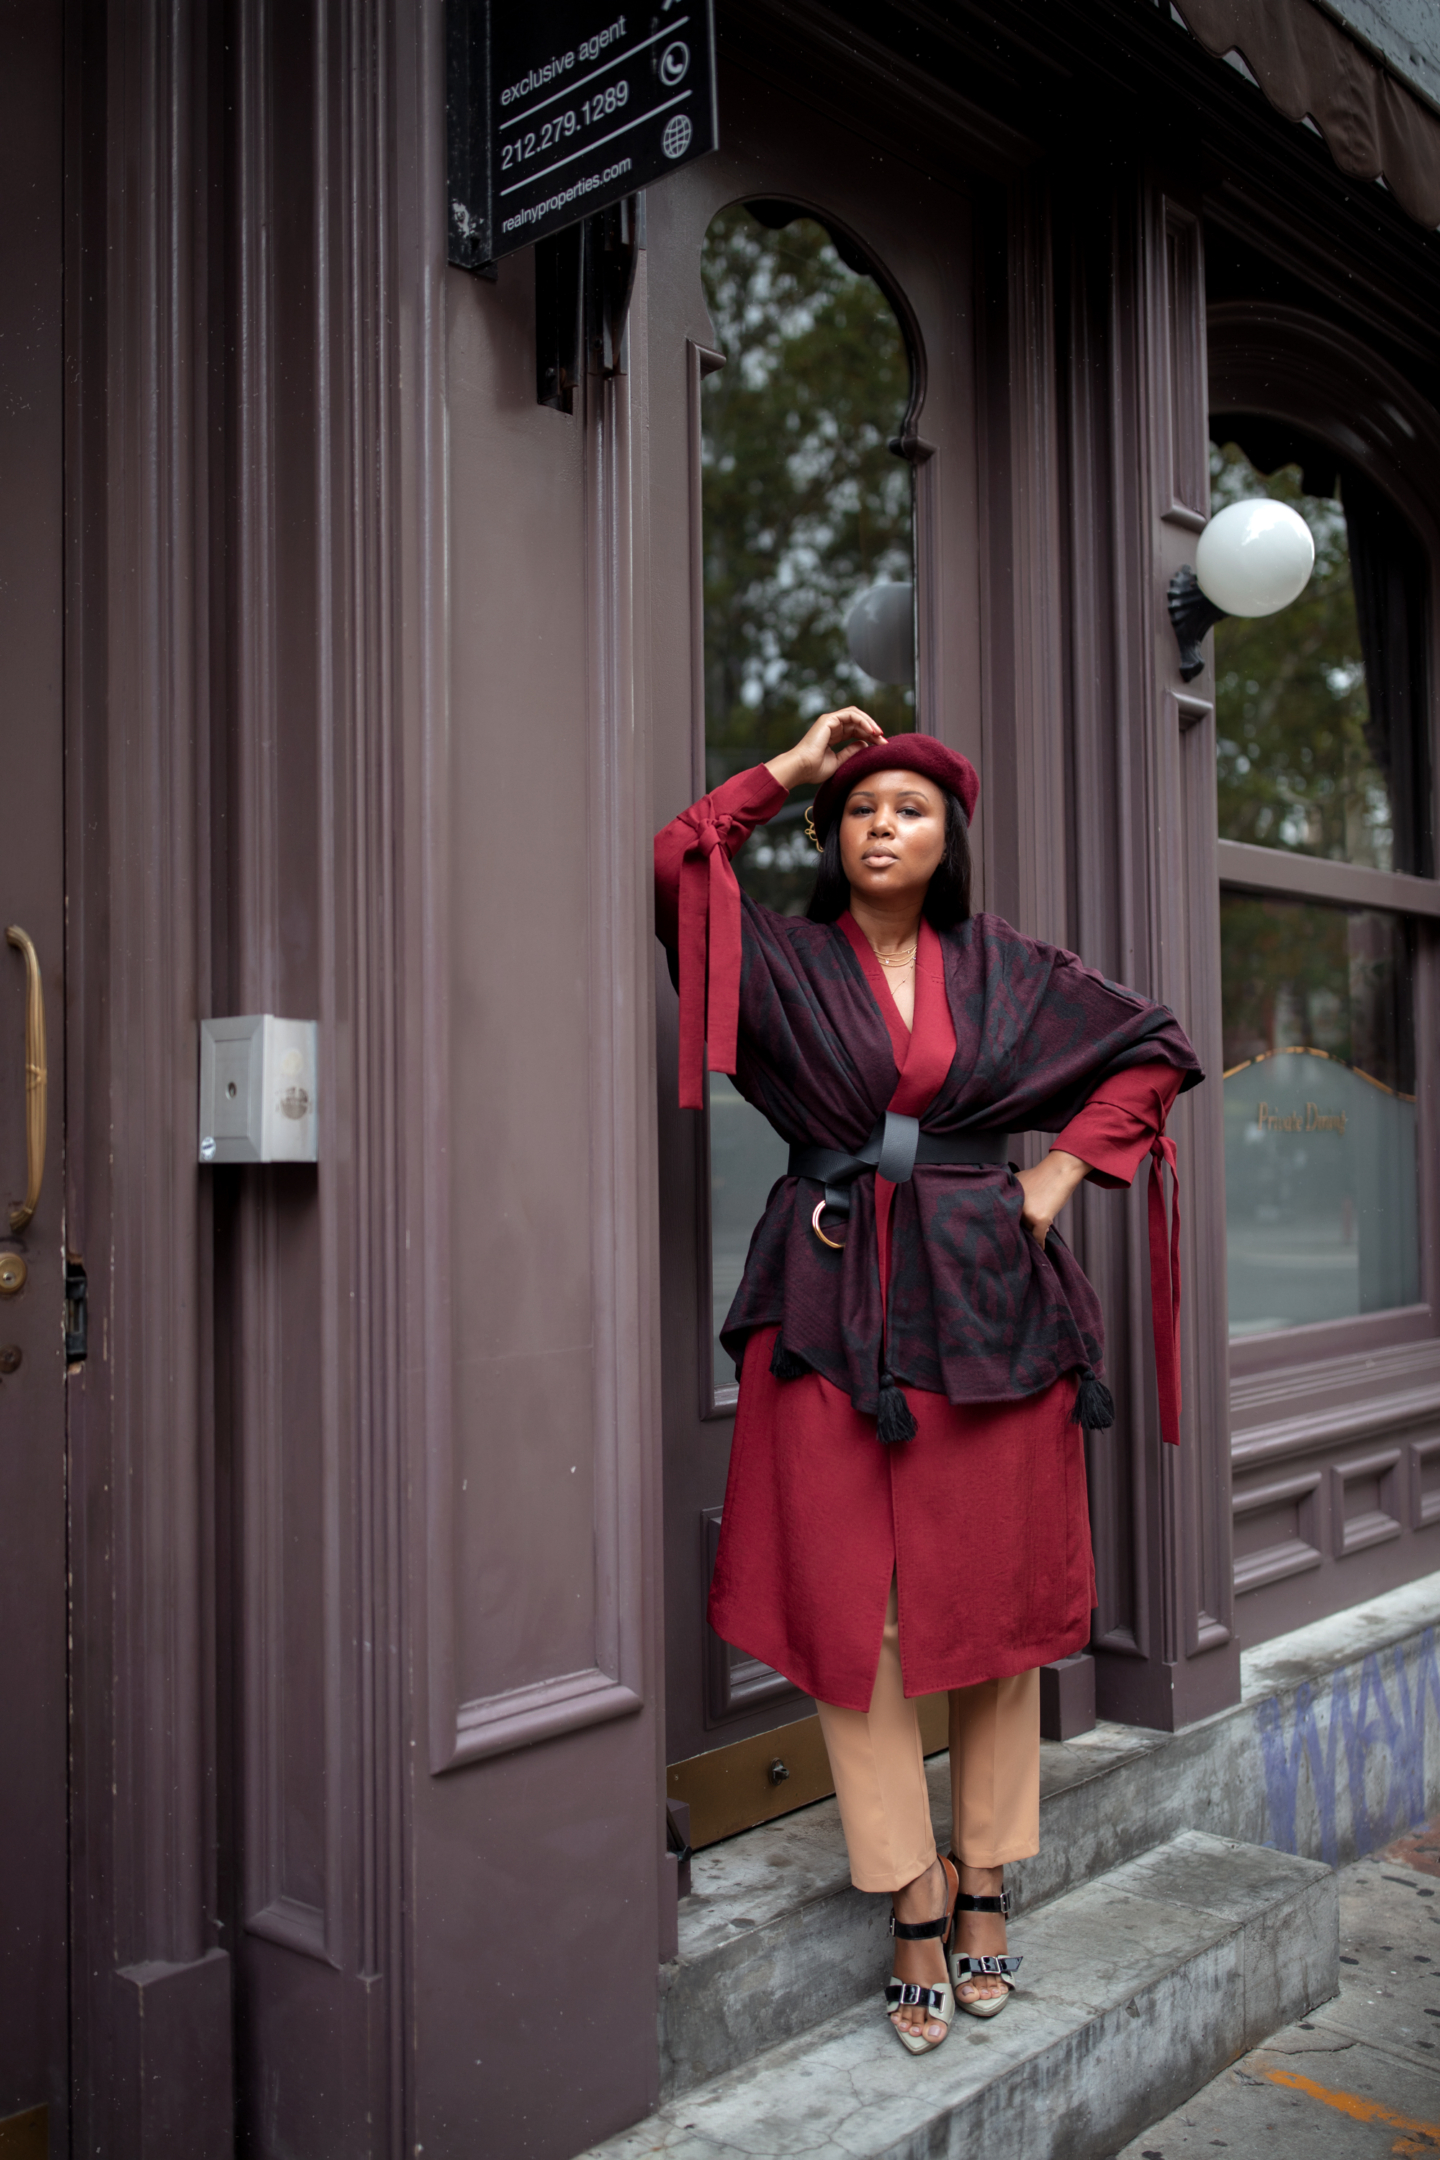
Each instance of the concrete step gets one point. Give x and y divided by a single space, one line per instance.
774 1940
1137 1988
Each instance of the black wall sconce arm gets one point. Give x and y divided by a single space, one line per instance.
1192 615
584 276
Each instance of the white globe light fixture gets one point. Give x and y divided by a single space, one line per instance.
1253 558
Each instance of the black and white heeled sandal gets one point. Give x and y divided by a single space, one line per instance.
939 2001
983 1968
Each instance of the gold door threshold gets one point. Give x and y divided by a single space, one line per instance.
729 1789
25 2136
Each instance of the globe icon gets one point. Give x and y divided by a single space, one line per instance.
676 139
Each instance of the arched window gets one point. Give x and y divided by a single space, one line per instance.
809 574
809 545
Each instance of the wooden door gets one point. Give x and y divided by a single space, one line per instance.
802 208
33 1792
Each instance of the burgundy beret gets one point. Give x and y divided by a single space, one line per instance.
902 753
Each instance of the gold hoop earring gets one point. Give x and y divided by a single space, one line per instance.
816 842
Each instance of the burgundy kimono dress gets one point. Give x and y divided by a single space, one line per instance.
981 1517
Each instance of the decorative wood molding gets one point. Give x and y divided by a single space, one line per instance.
493 1724
1293 1553
1364 1373
1196 1523
1099 923
1315 1430
1182 440
1142 772
1424 1483
1186 711
1036 612
1209 1591
1308 877
700 361
465 1729
1373 1525
813 55
295 1926
157 517
140 193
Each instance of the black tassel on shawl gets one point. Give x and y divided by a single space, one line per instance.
784 1364
1094 1404
894 1419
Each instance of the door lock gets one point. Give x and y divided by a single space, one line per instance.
13 1272
77 1331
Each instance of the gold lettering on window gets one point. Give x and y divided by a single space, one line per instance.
1312 1119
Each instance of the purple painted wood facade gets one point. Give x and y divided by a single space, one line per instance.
376 1502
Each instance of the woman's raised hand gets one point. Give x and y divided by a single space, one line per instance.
826 744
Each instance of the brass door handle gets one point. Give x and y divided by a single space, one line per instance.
21 1211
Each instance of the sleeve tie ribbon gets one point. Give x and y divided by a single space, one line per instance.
709 959
1165 1284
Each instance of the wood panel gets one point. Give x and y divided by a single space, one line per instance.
309 1259
1277 1529
290 1627
1182 443
34 1621
532 1622
1355 1435
151 2029
1021 827
522 1069
1141 768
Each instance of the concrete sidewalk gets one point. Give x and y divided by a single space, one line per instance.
1361 2075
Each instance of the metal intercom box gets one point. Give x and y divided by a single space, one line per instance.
258 1090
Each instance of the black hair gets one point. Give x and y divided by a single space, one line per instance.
947 897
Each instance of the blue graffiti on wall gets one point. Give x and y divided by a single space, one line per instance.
1395 1725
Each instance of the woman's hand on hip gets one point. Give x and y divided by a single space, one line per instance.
1047 1188
834 737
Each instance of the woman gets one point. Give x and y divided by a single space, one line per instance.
918 1350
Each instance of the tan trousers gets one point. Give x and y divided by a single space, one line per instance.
879 1773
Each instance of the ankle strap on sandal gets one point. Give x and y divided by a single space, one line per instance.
920 1930
929 1930
1001 1904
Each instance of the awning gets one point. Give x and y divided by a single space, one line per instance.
1373 126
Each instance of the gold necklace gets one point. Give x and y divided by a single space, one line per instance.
896 959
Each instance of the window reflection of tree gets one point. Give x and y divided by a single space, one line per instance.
804 504
1295 767
1318 748
1298 974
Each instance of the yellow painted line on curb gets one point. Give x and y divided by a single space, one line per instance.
1359 2110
